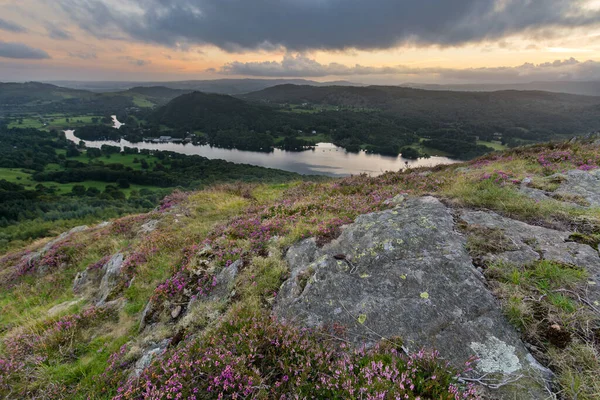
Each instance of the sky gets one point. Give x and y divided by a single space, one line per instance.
368 41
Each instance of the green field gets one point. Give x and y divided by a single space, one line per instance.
24 177
494 145
54 121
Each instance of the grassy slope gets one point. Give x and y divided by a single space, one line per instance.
291 212
24 177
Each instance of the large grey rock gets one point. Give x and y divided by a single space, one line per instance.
225 282
405 272
148 227
148 355
531 243
111 272
582 183
575 183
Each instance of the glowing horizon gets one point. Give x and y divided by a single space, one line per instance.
395 41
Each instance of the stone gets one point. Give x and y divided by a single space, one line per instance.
225 281
302 253
62 307
176 312
153 351
111 271
146 314
532 243
81 281
582 183
36 255
397 200
148 227
406 274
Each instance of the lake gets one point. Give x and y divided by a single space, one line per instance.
324 159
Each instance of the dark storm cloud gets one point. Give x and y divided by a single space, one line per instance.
235 25
20 50
11 26
56 32
300 66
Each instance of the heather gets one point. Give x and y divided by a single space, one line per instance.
258 357
54 337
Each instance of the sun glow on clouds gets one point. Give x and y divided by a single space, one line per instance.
118 46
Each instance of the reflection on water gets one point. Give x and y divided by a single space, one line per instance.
325 159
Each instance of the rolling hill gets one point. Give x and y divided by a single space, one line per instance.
531 110
36 97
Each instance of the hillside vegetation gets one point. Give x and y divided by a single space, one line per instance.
48 184
22 99
177 303
381 119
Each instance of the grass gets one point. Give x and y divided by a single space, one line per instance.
21 177
54 121
142 101
543 299
494 145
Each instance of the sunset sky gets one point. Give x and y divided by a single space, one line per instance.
369 41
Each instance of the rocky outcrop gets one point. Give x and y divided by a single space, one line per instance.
579 188
582 183
99 284
406 273
531 243
37 255
152 351
111 272
225 282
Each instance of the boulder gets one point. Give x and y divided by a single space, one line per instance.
406 273
582 183
576 184
151 352
225 282
148 227
111 272
531 243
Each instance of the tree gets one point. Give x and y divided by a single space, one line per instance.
123 183
78 190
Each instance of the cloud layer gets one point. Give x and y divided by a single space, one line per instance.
300 25
22 51
56 32
300 65
11 26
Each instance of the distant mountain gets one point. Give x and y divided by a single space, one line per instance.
31 92
43 97
591 88
221 86
557 112
162 92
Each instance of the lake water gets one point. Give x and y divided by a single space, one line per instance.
325 159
